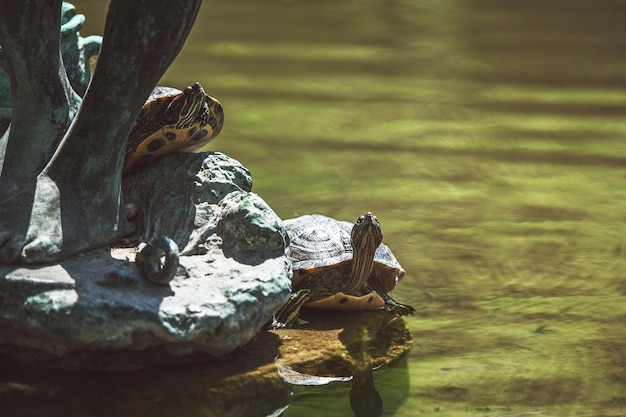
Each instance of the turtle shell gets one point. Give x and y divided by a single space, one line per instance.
171 121
322 244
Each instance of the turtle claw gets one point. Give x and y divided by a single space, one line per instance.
277 324
403 309
396 307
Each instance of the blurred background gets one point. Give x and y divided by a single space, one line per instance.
488 136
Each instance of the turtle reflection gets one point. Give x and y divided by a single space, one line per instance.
366 342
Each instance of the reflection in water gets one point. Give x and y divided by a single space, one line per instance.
290 376
489 135
242 385
250 382
365 401
376 333
369 341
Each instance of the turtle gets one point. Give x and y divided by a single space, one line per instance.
341 266
170 121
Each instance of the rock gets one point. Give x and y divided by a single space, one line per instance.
233 274
203 195
334 346
345 347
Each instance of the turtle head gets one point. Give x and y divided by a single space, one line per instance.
187 106
212 115
366 232
366 237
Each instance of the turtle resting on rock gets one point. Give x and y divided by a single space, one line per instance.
340 266
172 121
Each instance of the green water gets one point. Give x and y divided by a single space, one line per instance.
488 137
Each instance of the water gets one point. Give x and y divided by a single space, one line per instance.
486 135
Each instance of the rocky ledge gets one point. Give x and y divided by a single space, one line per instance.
96 311
345 350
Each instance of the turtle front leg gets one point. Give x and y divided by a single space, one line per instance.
289 313
396 307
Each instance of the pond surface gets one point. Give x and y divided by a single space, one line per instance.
488 136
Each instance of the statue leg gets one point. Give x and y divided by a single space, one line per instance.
78 203
40 92
43 104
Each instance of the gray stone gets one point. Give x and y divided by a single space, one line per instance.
202 195
234 273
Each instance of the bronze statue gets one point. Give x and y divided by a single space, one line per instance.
60 181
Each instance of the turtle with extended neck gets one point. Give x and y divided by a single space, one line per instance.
337 265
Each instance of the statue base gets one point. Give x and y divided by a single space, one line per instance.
96 311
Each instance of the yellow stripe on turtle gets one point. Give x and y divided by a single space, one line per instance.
172 121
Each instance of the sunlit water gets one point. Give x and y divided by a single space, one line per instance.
488 137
